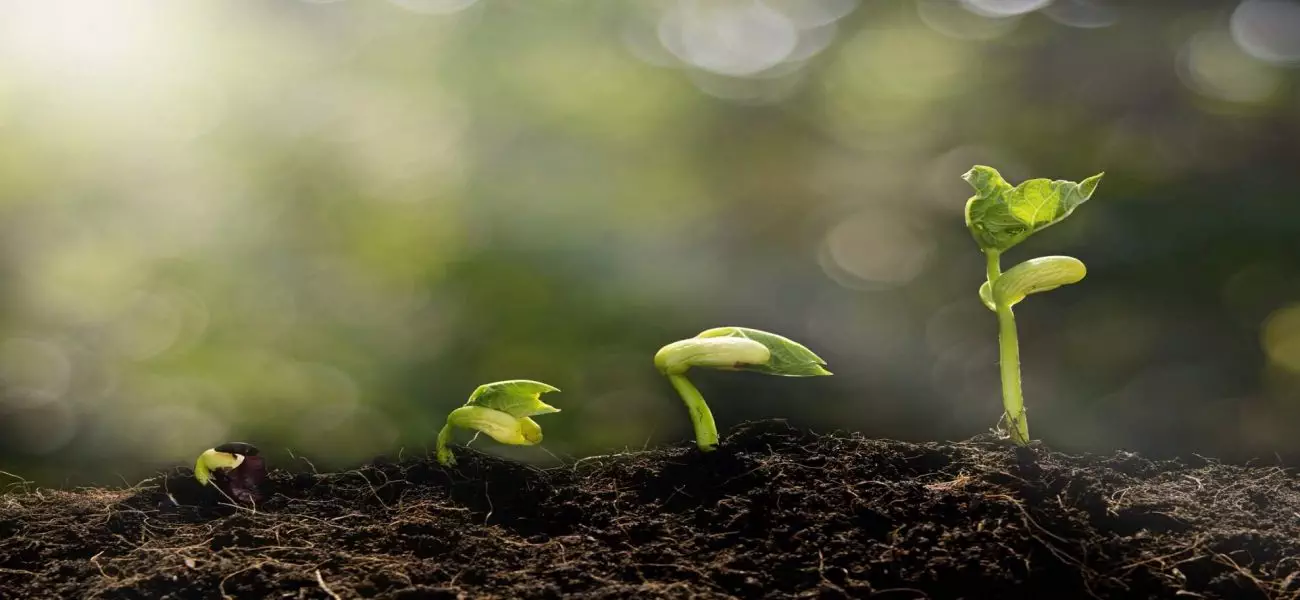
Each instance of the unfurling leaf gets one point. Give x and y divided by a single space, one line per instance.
501 410
1000 216
788 357
1037 275
516 397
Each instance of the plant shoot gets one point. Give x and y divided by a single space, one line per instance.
235 468
731 349
502 410
1000 216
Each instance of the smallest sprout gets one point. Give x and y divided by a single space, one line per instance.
236 468
502 410
227 456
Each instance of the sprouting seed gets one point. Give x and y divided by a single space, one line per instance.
503 411
237 468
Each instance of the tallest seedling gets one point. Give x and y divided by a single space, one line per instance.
1000 216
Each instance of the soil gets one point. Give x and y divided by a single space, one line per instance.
774 513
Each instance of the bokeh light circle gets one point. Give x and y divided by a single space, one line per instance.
1268 30
1004 8
1084 14
434 7
33 371
729 38
1281 337
1212 65
950 19
876 249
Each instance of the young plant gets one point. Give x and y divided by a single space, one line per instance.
235 468
1000 216
731 349
502 410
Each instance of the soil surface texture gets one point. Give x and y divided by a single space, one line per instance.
774 513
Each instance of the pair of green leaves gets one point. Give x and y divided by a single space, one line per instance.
503 411
1000 216
740 349
519 398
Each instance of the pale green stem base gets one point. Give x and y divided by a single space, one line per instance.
706 431
445 457
1013 400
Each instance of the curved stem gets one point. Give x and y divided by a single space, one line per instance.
201 471
706 431
1013 401
445 457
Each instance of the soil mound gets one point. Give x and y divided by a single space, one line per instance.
774 513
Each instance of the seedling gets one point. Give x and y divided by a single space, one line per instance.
731 349
1000 216
235 468
502 410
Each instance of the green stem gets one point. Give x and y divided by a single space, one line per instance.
1013 399
445 457
706 431
993 265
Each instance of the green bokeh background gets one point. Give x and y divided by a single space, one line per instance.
318 226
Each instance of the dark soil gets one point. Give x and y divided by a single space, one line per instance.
774 513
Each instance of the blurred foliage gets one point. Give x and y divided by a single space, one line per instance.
318 226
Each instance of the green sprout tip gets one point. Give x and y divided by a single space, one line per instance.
502 410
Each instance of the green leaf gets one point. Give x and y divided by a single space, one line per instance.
986 296
497 424
516 397
1034 202
1000 216
789 358
727 354
1037 275
987 215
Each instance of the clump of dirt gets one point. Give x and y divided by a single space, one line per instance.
774 513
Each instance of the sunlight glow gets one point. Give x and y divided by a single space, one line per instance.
85 38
